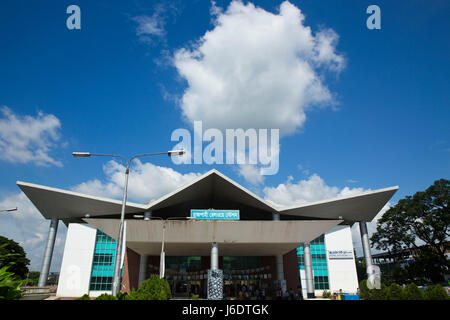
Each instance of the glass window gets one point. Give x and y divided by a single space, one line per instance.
185 263
319 262
237 263
103 263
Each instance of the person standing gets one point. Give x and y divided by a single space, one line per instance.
291 294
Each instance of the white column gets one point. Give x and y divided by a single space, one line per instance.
215 276
143 268
48 252
278 258
214 256
365 245
143 262
308 270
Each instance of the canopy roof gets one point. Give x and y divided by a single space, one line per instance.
183 238
210 190
362 207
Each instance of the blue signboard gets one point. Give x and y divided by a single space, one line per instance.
215 214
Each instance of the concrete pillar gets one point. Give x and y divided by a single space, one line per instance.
280 271
48 252
214 256
143 268
278 258
365 244
143 262
308 270
215 276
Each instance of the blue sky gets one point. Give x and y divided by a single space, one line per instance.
111 88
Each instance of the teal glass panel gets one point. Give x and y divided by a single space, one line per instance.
236 263
103 263
319 262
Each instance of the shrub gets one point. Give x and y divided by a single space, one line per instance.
412 292
379 294
435 292
394 292
9 285
363 290
105 296
122 296
153 288
30 282
84 297
327 294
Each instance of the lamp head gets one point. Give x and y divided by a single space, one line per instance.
176 153
81 154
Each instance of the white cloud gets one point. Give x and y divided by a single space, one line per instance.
257 69
214 10
251 174
304 170
310 190
146 181
152 27
27 227
27 139
315 189
149 26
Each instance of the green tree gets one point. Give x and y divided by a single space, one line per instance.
106 296
153 288
363 290
435 292
424 217
122 296
397 273
360 267
394 292
379 294
12 254
32 278
327 294
10 283
412 292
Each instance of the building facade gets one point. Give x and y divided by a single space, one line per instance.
270 248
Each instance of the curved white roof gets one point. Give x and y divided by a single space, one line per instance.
213 186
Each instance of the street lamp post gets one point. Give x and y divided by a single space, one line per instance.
162 258
117 264
162 263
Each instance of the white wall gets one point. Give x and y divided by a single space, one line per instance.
341 272
77 261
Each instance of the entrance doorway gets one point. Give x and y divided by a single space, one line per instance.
187 277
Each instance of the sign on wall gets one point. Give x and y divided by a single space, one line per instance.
340 254
215 214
